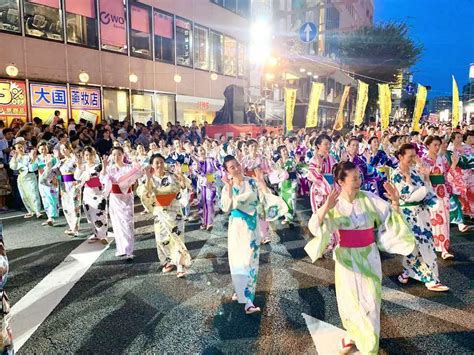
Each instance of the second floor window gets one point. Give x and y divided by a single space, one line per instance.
184 42
10 16
140 31
164 37
201 48
81 22
43 18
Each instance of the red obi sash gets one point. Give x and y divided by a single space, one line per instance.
355 238
93 182
116 189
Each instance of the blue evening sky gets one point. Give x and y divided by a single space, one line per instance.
445 28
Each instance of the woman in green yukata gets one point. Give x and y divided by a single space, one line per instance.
364 224
244 196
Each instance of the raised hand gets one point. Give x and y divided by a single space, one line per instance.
455 159
331 201
105 162
226 181
149 172
259 175
391 192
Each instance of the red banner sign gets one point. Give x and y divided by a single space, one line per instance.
113 23
163 25
140 19
84 7
234 130
12 100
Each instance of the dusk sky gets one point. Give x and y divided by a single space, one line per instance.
445 28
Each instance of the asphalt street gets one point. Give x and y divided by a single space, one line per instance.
119 307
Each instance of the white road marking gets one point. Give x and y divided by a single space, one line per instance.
404 299
326 337
29 312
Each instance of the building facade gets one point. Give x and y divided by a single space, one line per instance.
305 63
159 60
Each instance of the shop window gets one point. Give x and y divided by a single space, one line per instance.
184 45
140 31
115 104
218 2
164 44
81 22
217 52
241 60
165 109
113 25
201 48
43 19
10 16
142 107
230 56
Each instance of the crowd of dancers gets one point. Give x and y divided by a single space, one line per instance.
396 191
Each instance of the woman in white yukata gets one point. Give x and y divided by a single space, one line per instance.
169 232
70 189
365 224
243 197
118 180
94 201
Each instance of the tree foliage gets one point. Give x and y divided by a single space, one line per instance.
380 51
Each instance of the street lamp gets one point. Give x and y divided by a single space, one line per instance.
302 70
133 78
260 41
177 78
269 76
11 70
83 77
309 73
213 76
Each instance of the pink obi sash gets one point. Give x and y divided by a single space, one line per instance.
356 238
93 182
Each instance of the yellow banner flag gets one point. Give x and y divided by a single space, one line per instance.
419 106
385 104
339 122
290 100
361 104
455 108
313 106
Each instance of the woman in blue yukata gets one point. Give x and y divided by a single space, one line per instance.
416 198
244 196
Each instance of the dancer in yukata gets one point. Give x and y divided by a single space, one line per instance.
94 200
48 181
365 224
242 197
27 181
118 180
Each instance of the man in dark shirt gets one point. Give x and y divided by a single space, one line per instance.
104 144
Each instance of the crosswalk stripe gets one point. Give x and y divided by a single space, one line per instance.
326 337
30 311
404 299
